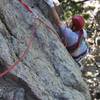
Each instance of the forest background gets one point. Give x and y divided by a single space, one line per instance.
90 9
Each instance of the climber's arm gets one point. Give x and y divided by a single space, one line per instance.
53 10
56 16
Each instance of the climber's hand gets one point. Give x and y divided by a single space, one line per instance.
56 2
50 3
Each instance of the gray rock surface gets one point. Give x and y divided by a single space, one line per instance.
47 72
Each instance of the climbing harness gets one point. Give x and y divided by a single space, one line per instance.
75 46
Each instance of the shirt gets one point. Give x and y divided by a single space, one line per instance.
72 38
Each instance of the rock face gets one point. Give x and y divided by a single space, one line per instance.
43 70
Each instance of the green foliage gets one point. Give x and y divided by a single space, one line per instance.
86 16
73 7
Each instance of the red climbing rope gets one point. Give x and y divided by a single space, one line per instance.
23 55
30 10
25 5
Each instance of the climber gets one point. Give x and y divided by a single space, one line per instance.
74 35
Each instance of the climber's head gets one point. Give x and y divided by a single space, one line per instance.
77 23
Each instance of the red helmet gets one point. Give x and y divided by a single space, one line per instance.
78 22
